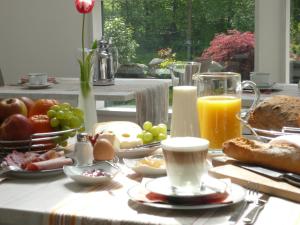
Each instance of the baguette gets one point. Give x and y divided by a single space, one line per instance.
277 155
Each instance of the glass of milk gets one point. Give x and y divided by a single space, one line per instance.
184 121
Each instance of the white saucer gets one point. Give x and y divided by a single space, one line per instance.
236 194
162 186
37 86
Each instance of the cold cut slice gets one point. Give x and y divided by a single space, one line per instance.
49 164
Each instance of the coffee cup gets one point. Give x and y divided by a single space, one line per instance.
38 78
186 162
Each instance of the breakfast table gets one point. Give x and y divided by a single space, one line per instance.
59 200
54 199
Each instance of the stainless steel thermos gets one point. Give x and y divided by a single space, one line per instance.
106 63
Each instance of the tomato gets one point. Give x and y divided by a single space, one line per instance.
40 123
41 106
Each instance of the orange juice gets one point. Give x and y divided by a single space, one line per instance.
217 119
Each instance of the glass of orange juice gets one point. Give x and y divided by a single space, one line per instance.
219 105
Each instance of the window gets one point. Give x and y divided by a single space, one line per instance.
150 35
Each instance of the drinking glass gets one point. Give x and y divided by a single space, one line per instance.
186 162
182 72
219 104
184 121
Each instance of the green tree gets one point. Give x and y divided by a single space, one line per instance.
159 24
122 36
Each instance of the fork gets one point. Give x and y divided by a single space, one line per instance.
249 198
260 202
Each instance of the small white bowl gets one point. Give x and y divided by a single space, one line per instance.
76 173
144 169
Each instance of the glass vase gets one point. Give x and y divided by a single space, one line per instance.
87 103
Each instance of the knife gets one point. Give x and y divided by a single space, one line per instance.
290 178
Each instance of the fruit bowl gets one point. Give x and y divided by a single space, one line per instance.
37 142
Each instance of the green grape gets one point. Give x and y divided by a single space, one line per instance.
75 122
60 115
161 137
65 136
65 106
147 137
78 112
66 127
72 133
162 128
51 113
55 107
54 122
154 131
140 136
147 125
65 117
68 115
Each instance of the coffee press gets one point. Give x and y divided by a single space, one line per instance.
106 63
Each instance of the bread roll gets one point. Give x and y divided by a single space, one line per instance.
103 150
276 112
280 156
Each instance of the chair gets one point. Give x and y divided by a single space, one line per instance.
1 79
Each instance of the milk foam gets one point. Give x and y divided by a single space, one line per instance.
182 144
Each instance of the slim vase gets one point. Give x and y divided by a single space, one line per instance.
87 103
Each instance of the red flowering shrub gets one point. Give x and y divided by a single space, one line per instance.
234 50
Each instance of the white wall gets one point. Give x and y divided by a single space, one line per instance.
40 36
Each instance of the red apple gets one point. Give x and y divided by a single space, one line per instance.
28 102
16 127
11 106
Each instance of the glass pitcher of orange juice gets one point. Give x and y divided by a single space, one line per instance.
219 103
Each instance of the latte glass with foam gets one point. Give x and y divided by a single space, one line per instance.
185 162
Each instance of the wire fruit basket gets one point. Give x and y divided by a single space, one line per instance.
37 142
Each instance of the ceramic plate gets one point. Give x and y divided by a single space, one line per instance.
39 86
76 173
137 152
162 186
143 168
236 194
35 174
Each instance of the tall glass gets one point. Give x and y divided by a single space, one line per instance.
182 72
219 103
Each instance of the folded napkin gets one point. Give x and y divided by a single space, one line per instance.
152 104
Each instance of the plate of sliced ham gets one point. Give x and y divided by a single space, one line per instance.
34 164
